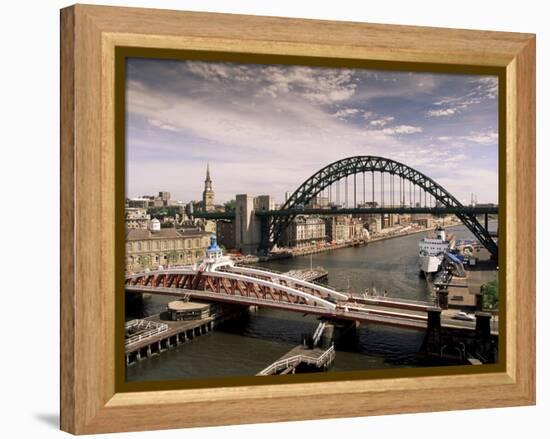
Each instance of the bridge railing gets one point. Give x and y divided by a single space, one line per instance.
391 299
297 359
259 267
270 270
318 333
320 284
151 329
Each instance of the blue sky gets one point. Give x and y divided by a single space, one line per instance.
266 128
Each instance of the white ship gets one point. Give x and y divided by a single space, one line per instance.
432 250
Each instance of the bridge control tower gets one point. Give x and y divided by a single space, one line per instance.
214 257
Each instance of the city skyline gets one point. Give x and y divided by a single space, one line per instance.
267 128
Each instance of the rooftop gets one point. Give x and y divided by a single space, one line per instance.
168 233
180 305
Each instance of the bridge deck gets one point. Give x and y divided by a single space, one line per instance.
390 316
392 302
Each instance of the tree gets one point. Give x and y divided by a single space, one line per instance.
144 261
490 295
230 206
172 257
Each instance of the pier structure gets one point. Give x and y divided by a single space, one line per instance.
313 355
301 359
452 342
160 332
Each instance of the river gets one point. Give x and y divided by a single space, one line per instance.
245 347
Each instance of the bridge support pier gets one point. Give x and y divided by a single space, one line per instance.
483 343
433 333
337 330
443 298
479 299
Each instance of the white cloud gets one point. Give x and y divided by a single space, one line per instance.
344 113
324 86
368 114
485 138
442 113
401 129
489 137
163 126
382 121
219 72
482 88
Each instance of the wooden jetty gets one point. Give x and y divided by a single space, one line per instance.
164 334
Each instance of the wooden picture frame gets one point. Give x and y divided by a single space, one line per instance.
91 400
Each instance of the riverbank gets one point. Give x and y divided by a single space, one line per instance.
312 250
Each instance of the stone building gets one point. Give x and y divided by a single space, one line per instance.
374 224
304 230
337 229
156 247
247 224
344 228
136 218
319 202
426 221
142 203
225 231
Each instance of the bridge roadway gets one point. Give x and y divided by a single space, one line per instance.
217 278
350 311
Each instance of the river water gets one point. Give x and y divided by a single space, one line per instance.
245 347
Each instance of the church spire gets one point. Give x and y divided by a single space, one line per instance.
208 193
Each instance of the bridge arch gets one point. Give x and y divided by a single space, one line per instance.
340 169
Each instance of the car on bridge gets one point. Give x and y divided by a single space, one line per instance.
461 315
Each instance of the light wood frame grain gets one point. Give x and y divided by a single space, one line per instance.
89 401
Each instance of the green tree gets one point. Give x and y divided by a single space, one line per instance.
144 261
490 295
230 206
172 257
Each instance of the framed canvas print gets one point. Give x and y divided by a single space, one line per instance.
273 219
